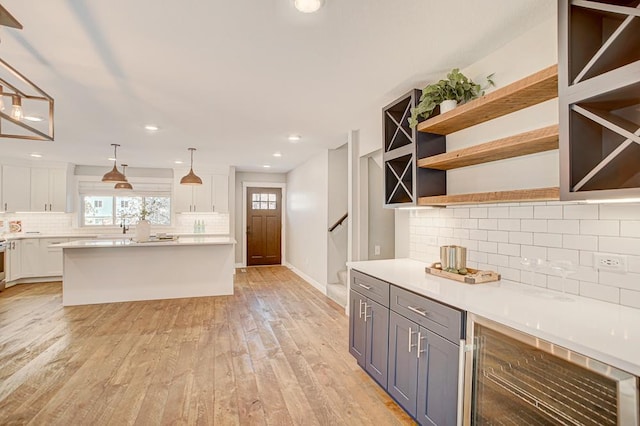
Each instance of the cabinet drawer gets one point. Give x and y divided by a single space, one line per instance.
441 319
370 287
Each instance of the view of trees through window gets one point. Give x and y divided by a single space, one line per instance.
110 210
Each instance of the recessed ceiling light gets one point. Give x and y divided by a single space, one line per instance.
34 155
277 154
294 138
179 162
308 6
151 127
266 166
33 118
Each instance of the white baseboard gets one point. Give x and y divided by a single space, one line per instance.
239 265
308 279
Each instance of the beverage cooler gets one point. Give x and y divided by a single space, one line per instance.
513 378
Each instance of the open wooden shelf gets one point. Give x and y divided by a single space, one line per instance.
531 90
537 194
538 140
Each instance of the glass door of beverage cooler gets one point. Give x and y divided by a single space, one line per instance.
516 379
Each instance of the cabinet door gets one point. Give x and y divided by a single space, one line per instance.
39 190
51 257
377 353
14 260
30 258
57 190
182 196
438 380
403 362
202 195
357 333
220 193
16 188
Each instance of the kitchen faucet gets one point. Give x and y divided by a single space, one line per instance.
124 226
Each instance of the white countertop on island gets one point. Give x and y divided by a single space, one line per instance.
127 242
604 331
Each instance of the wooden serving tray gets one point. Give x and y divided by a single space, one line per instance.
473 277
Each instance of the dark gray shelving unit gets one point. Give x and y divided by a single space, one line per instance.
599 97
404 182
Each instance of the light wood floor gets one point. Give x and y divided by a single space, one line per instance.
274 353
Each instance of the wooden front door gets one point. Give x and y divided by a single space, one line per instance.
264 224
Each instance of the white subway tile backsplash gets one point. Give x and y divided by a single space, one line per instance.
581 211
570 286
600 227
600 292
499 236
487 246
478 213
521 238
620 211
563 226
509 249
536 225
620 245
563 254
498 260
630 298
630 228
630 280
547 212
547 240
499 212
580 242
487 224
478 234
521 212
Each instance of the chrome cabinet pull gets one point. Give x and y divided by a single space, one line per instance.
419 340
417 310
360 309
365 312
366 287
411 333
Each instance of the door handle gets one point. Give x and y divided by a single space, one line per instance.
419 340
417 310
411 333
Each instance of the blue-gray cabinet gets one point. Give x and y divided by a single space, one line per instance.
369 325
424 365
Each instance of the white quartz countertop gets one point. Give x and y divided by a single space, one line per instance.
113 236
604 331
126 243
38 235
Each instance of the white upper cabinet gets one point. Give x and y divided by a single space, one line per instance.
211 196
16 188
220 193
48 190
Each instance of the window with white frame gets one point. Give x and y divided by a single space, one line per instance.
106 207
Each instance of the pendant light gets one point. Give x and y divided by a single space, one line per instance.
114 175
123 185
191 178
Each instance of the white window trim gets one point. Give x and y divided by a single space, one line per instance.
283 205
82 224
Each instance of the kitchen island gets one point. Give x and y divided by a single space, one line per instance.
121 270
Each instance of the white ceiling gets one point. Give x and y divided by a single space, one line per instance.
234 78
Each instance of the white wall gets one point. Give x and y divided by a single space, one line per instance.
381 221
307 206
241 177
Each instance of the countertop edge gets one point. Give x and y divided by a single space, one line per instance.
417 281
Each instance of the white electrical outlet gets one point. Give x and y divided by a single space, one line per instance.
376 250
610 262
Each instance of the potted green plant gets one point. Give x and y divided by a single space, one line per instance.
448 93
